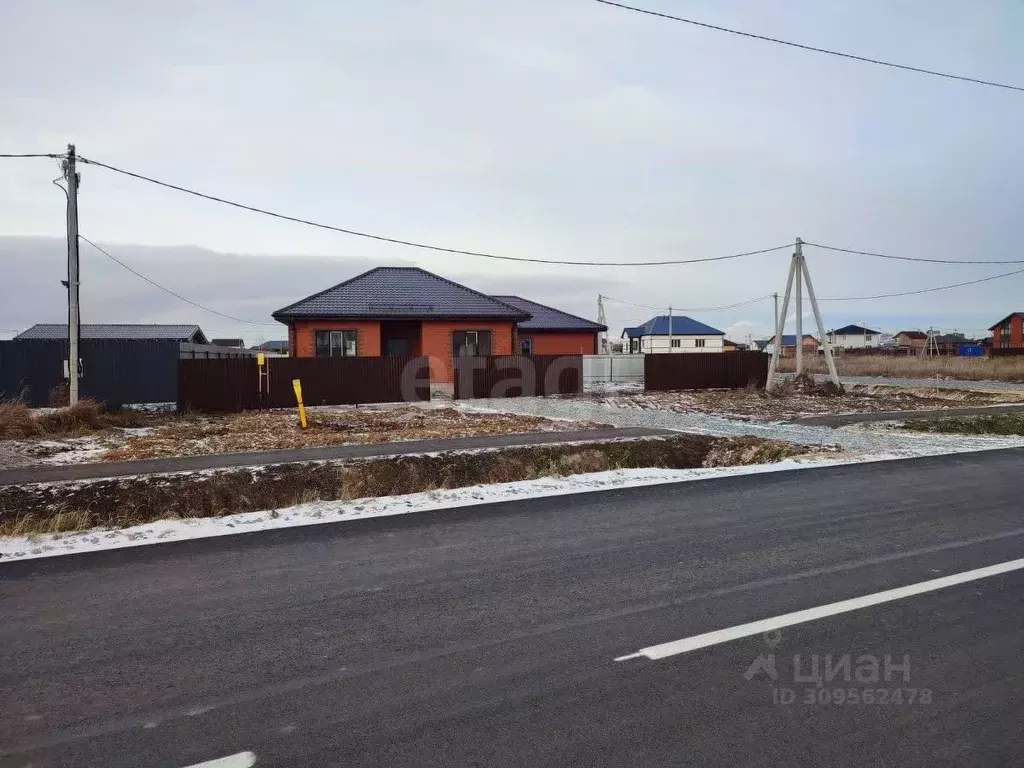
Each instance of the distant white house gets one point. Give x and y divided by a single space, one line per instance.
688 335
854 337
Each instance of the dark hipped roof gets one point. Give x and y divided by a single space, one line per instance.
272 346
853 330
190 333
399 292
227 342
1009 316
545 318
681 326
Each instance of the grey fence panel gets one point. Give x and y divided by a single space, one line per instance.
613 369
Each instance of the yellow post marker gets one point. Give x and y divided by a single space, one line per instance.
260 359
297 385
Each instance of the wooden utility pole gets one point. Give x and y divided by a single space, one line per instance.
71 175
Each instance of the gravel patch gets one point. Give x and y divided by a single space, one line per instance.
859 439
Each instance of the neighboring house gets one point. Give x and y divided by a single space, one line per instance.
854 337
687 335
191 334
235 343
279 348
733 346
810 345
631 340
409 311
550 331
911 339
1008 333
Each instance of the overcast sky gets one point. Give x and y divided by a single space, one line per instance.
542 128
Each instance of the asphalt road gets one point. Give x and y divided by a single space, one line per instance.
56 473
487 636
843 419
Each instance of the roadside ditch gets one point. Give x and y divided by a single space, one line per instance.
119 502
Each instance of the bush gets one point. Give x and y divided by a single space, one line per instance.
17 422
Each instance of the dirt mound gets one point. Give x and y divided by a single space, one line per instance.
804 384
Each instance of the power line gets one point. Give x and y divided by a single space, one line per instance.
37 154
925 290
815 49
168 290
737 305
425 246
916 258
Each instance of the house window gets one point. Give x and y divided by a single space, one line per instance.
335 343
1004 336
676 343
868 337
700 343
526 346
471 343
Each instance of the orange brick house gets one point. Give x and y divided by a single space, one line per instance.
1008 333
409 311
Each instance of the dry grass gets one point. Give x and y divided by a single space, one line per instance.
965 368
271 430
995 424
18 422
48 508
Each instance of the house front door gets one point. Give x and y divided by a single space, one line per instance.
398 347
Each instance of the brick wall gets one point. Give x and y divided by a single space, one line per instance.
437 343
303 342
1016 333
560 343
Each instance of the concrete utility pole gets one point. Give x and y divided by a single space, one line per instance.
670 328
71 175
799 274
799 256
602 337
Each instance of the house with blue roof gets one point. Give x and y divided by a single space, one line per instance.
676 333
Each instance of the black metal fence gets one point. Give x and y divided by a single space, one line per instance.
706 370
114 371
239 385
518 376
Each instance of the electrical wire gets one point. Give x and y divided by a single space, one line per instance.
168 290
924 290
915 258
425 246
737 305
37 154
865 59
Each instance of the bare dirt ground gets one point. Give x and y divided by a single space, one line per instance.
758 405
269 430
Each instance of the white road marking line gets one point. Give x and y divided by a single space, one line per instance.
687 644
241 760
